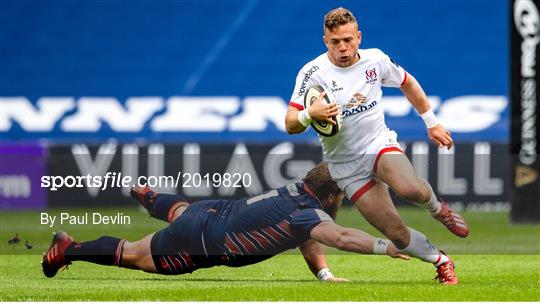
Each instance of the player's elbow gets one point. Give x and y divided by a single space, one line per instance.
288 128
291 128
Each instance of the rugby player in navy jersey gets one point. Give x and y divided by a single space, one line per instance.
229 232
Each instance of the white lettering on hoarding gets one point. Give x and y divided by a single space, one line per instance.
213 114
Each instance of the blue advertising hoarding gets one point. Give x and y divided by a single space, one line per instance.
224 71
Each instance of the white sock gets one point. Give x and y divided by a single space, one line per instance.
420 247
433 206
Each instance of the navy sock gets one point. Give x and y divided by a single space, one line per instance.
104 251
162 204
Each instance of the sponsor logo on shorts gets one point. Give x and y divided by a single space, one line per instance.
307 76
371 76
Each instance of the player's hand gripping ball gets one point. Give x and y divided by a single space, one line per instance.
322 127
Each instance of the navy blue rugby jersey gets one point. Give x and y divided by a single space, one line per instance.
255 228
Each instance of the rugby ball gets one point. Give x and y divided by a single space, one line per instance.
322 127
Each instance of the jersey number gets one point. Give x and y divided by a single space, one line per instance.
259 197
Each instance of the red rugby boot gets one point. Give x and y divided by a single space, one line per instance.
452 220
54 259
446 273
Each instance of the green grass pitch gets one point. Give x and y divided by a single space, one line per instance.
497 262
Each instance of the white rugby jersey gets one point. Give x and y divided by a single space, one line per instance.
362 122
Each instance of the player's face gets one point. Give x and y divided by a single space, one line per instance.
342 44
339 199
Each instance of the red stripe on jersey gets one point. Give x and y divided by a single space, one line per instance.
233 248
404 78
272 234
250 247
385 150
265 243
181 259
176 261
174 267
187 258
164 263
286 228
363 190
294 104
239 244
276 235
253 240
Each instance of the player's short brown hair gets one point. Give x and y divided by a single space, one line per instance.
320 182
338 17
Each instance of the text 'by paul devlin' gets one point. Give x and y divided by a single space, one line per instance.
94 218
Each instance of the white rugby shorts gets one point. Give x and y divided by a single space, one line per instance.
356 177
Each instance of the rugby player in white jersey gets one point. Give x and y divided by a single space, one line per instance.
364 156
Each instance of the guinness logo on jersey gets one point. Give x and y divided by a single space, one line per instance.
371 76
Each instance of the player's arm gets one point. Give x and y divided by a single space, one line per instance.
417 97
296 120
315 257
354 240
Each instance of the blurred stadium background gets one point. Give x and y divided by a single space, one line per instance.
155 84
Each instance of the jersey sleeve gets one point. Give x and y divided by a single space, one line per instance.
303 81
393 75
306 219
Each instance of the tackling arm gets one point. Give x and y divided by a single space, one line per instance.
417 97
313 253
349 239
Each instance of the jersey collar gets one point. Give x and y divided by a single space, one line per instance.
311 193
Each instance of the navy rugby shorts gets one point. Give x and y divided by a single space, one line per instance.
178 249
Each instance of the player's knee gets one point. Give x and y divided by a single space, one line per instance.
411 191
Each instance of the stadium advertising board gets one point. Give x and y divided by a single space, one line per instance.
154 85
525 165
227 119
473 175
21 169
